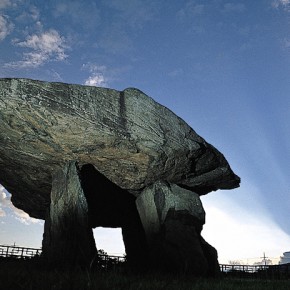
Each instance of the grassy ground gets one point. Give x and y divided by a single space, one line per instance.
24 275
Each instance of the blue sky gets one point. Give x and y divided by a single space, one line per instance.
221 65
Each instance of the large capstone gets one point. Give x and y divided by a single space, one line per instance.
122 144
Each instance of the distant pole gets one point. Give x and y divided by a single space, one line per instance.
264 258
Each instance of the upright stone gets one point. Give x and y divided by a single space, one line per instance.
172 218
68 239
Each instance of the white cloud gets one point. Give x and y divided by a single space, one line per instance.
34 12
48 43
47 46
24 218
96 80
97 77
4 200
18 214
5 27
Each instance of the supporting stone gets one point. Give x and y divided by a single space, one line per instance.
68 239
135 242
113 207
172 218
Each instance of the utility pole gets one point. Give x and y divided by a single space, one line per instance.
264 258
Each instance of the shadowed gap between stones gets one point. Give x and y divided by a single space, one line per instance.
113 207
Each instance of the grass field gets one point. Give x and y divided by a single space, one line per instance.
26 275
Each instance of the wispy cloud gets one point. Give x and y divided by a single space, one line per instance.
18 214
234 7
5 3
45 47
191 8
128 17
84 14
281 3
97 77
31 14
136 13
116 40
286 43
191 15
24 218
5 27
176 73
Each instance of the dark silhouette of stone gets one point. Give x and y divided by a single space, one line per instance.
172 218
108 148
211 256
68 239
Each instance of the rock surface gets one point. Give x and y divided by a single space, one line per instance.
82 157
157 202
68 239
173 218
126 136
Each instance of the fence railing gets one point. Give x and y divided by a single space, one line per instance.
23 253
242 268
18 252
257 271
107 261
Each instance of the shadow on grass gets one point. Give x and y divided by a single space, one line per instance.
31 274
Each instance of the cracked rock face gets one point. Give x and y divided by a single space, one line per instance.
83 157
172 219
126 136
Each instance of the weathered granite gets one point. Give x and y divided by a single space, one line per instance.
173 218
125 135
68 238
82 157
155 202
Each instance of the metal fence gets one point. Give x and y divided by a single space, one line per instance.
242 268
257 271
24 253
107 262
18 252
